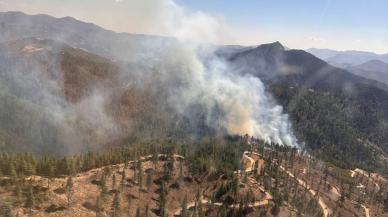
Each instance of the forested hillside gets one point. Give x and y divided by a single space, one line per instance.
340 117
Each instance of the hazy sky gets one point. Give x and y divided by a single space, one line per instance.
337 24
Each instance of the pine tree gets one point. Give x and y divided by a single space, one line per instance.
137 212
386 202
149 181
116 205
6 210
98 206
13 173
275 209
155 159
140 174
184 211
104 189
181 172
129 201
166 173
146 211
114 182
50 175
245 178
30 198
135 171
122 182
199 205
69 189
162 201
18 191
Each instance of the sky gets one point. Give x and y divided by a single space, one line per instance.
301 24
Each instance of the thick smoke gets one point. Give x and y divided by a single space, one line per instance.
209 81
152 87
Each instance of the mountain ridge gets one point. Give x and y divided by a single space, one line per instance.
298 81
348 57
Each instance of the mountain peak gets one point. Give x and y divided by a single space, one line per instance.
270 49
274 46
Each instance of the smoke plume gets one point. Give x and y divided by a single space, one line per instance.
139 87
207 80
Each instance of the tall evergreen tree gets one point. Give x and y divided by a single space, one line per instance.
6 210
104 189
116 205
137 212
146 211
181 176
149 181
184 211
162 201
98 206
50 174
30 197
18 191
69 189
114 182
140 174
122 182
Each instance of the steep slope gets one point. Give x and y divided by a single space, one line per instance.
78 101
43 87
335 112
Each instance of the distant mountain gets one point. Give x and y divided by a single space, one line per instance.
322 53
346 58
374 65
273 63
375 69
77 34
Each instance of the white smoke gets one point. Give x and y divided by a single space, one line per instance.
163 81
208 81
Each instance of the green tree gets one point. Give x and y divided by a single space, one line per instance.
166 172
104 188
18 191
129 201
184 210
199 205
146 211
116 205
6 210
30 197
114 182
137 212
122 182
50 174
13 173
181 176
69 189
386 202
98 206
162 201
140 174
